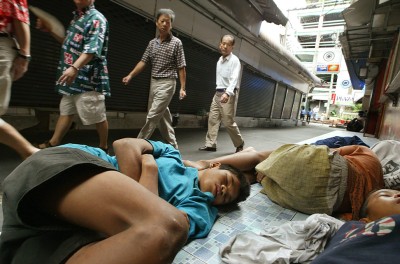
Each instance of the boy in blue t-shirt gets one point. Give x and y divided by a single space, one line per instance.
174 177
76 204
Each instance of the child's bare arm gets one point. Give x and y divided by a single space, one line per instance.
149 175
128 152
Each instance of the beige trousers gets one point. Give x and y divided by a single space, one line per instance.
222 112
7 56
161 93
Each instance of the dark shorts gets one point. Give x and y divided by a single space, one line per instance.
30 235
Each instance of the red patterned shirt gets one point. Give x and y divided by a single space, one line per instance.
10 9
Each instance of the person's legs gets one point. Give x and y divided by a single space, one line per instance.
12 138
112 203
214 121
8 134
91 109
166 91
102 130
161 93
7 56
228 110
64 122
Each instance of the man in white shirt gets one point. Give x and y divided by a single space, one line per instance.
222 107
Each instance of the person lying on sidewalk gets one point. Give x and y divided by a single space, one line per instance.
325 239
75 203
375 237
311 179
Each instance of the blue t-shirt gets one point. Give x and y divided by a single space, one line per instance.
356 242
174 179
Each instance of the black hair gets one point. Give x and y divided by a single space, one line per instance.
165 11
231 37
244 189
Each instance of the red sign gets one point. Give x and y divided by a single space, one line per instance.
333 67
333 98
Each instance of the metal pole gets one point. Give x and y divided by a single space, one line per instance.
329 96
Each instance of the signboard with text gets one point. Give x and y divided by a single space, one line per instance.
328 60
344 89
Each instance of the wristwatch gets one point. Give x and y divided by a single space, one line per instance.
25 57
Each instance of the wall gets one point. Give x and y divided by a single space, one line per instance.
390 128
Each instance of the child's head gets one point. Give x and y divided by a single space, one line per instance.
225 182
244 190
381 203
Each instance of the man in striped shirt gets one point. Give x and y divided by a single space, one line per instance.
165 54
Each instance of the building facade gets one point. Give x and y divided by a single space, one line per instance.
312 35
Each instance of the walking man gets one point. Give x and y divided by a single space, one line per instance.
167 57
222 107
82 73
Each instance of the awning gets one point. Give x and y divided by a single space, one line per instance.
271 12
370 29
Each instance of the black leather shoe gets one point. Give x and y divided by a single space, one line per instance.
240 148
205 148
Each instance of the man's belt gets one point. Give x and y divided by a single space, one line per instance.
220 90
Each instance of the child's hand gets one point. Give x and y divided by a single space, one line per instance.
199 165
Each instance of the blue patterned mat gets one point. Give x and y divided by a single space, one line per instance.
254 214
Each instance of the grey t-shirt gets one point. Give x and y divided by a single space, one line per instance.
388 152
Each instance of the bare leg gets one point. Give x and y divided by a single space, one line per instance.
12 138
150 232
102 130
63 124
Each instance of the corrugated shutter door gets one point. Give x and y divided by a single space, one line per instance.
296 105
287 110
279 101
130 34
200 78
256 95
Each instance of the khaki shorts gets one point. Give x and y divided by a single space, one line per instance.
29 235
90 107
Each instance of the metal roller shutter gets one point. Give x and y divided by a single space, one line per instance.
279 101
287 110
256 95
296 105
200 78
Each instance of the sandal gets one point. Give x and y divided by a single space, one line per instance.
44 145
